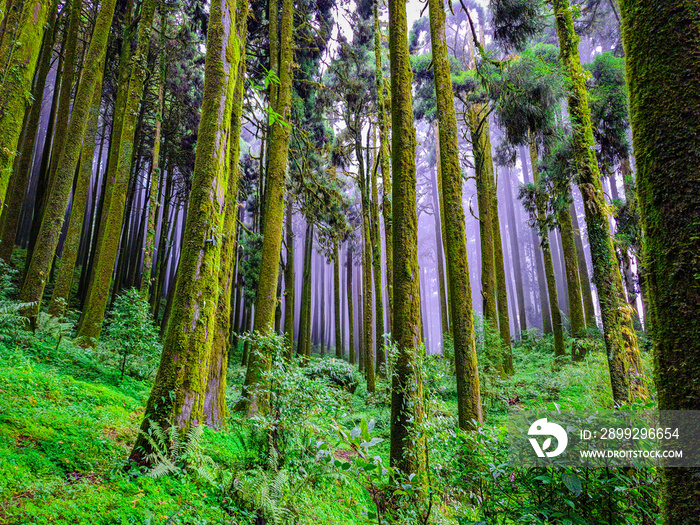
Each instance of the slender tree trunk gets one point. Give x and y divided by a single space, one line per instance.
584 278
18 186
52 221
539 264
21 62
266 297
375 236
64 281
367 328
481 141
462 321
407 442
303 345
573 285
662 40
351 317
515 251
384 163
94 310
336 300
555 313
624 360
438 216
179 390
289 281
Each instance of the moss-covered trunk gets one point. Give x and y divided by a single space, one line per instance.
52 221
289 281
96 303
620 338
407 444
19 66
461 316
367 349
20 177
384 163
375 235
178 392
64 278
351 317
215 407
439 219
553 295
481 144
266 297
501 282
662 41
336 300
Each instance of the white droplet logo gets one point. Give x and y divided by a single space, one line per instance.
542 427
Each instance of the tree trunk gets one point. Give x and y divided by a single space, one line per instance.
21 64
52 221
178 392
624 360
407 442
384 163
336 300
462 320
351 318
20 178
555 313
289 281
375 235
96 304
584 278
304 343
662 40
266 298
515 251
64 280
573 285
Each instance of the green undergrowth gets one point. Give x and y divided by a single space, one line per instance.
68 422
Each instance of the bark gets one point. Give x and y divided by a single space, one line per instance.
439 220
367 349
52 221
215 407
304 342
178 392
620 339
16 82
555 313
64 280
266 298
667 146
96 305
462 321
376 240
18 184
385 164
407 442
289 282
501 283
481 144
351 317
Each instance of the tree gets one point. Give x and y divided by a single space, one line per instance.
52 220
662 40
461 316
19 57
407 451
178 393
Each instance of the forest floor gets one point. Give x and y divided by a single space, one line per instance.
67 423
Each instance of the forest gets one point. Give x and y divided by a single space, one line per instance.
307 261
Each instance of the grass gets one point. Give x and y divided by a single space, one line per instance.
67 425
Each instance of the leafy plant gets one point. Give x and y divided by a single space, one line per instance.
130 332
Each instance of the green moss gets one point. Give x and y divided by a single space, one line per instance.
19 58
620 340
663 74
461 316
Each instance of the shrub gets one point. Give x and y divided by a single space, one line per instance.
336 371
130 333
